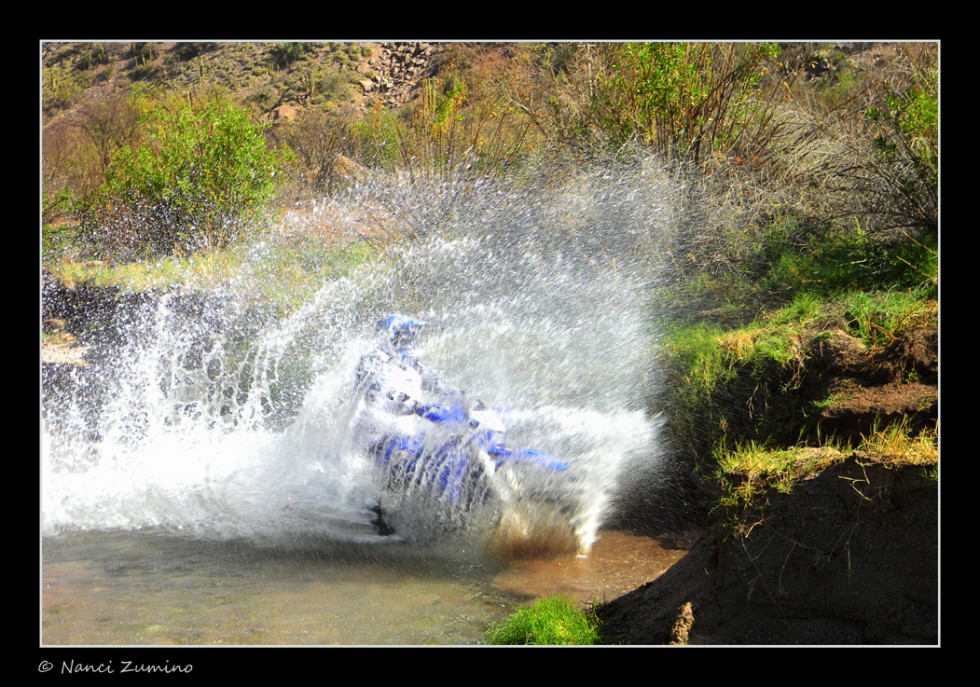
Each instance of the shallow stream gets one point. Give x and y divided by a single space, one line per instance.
142 588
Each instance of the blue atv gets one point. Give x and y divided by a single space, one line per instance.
448 452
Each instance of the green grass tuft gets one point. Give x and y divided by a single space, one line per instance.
550 620
834 263
749 470
877 317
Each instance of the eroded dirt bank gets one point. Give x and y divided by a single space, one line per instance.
851 557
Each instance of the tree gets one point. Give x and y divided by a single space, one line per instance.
193 181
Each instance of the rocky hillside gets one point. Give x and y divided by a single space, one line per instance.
280 79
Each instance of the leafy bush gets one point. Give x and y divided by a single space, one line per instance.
192 181
690 100
192 49
284 54
905 129
550 620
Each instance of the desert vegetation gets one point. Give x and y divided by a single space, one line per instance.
811 138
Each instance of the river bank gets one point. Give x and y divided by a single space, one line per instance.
850 557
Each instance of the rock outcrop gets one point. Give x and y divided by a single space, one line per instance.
399 69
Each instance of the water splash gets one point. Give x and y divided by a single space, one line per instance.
211 415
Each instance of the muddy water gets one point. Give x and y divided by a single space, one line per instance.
619 563
154 589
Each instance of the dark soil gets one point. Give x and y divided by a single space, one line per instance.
849 557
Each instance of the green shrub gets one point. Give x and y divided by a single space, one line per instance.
689 100
913 116
92 55
893 173
284 54
195 178
550 620
61 86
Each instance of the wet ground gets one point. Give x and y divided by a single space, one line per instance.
144 588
